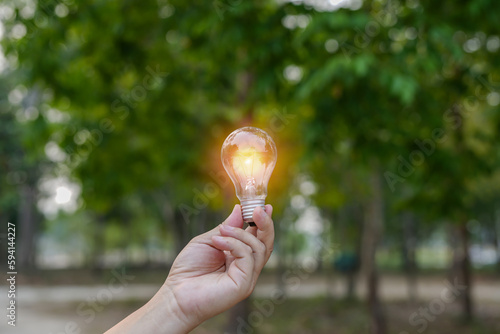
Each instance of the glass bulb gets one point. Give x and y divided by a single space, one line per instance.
249 156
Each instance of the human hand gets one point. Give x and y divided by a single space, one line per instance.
212 273
219 268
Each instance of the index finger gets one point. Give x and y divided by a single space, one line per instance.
265 227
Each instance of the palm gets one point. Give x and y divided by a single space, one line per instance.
201 261
203 276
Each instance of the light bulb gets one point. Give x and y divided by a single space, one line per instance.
249 156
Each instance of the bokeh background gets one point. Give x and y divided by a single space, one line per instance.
386 191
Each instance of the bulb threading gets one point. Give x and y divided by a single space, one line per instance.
247 207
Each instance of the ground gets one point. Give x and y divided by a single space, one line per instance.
313 304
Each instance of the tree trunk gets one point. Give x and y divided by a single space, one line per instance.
372 233
180 230
202 221
378 322
27 227
351 285
497 234
3 238
409 262
465 271
99 245
340 235
279 251
238 321
173 217
462 251
330 244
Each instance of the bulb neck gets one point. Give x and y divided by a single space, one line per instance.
247 207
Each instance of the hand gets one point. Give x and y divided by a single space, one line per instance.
215 271
218 269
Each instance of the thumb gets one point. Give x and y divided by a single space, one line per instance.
235 219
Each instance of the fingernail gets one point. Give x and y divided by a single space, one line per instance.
261 212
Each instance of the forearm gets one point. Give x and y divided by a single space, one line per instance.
160 315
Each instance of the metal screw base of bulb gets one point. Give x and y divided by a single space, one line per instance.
247 207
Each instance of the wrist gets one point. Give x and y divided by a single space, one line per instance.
161 314
167 316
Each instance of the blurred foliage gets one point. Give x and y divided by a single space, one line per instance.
140 95
131 100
